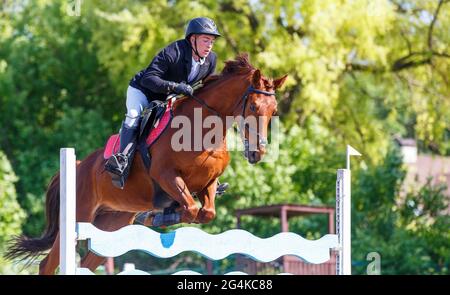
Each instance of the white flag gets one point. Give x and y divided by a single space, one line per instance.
352 152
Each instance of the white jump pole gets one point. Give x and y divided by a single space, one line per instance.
344 216
67 205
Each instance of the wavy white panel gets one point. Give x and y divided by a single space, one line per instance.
215 247
133 272
85 271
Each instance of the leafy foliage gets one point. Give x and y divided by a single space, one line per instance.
11 215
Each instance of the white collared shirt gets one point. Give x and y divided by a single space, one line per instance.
195 68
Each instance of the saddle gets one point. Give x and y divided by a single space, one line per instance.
154 120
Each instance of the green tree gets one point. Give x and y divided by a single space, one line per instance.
50 82
409 233
11 215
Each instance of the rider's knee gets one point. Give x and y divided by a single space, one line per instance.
132 117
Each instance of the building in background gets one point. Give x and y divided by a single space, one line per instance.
422 167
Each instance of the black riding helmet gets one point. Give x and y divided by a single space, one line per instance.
201 25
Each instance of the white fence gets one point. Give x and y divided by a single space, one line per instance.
215 247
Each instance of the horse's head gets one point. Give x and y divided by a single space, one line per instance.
259 106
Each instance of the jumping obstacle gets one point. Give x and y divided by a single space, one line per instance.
215 247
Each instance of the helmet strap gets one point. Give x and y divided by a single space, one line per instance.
195 48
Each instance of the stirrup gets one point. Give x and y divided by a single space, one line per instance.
117 166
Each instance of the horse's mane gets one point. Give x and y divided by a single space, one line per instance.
239 66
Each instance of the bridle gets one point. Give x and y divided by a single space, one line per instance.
262 140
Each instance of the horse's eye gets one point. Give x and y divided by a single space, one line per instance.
252 107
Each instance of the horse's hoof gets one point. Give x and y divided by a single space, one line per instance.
205 216
188 216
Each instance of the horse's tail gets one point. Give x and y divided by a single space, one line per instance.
31 248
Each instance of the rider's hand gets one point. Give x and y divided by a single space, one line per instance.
183 88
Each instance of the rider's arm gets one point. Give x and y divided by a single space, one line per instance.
152 78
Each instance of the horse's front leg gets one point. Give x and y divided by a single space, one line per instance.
175 186
207 197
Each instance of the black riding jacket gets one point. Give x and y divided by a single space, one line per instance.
173 63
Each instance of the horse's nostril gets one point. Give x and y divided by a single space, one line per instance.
254 157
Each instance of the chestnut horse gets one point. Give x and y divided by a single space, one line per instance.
240 90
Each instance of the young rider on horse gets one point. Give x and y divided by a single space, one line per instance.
173 70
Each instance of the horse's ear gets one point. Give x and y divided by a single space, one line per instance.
256 79
277 83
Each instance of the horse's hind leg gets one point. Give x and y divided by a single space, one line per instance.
107 221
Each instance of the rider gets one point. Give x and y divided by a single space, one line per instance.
173 70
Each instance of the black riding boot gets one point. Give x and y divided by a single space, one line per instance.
119 165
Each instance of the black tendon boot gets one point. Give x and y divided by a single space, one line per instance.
118 165
221 188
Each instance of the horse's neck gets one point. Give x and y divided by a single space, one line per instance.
224 98
226 95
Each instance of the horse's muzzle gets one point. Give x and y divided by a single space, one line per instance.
254 157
